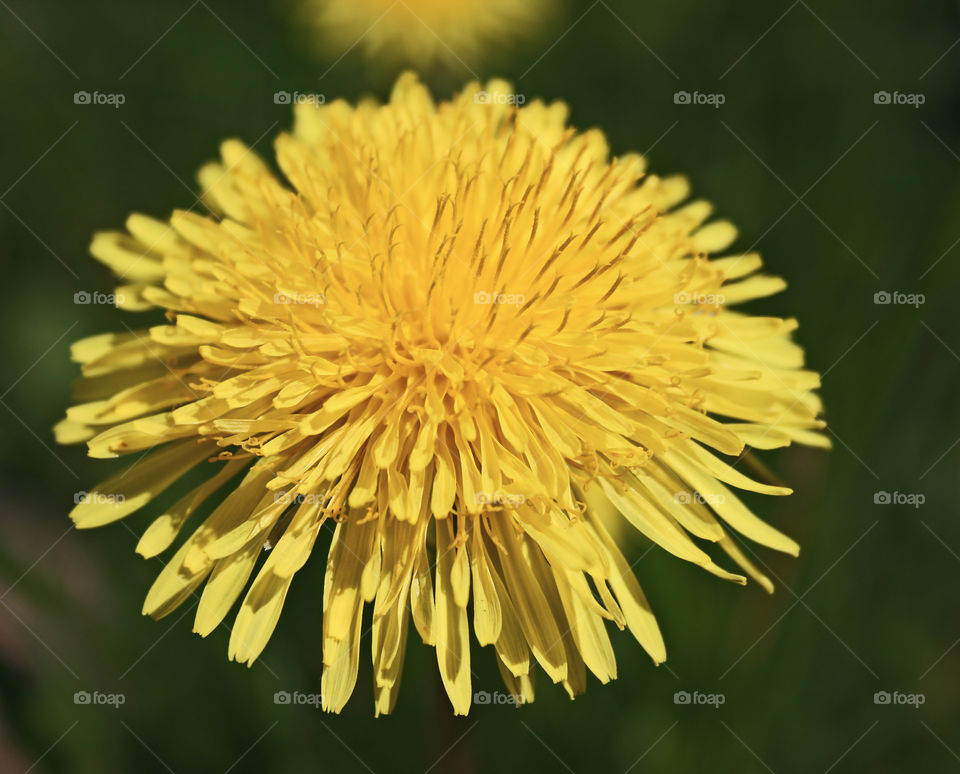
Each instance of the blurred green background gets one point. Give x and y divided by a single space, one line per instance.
845 197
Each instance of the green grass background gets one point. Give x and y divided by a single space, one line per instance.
870 605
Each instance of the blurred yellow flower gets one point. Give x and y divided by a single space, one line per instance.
422 32
469 342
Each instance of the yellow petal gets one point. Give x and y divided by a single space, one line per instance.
533 611
452 629
487 620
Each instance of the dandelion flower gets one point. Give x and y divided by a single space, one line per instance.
423 32
467 342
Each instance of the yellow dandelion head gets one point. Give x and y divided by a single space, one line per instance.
425 31
469 343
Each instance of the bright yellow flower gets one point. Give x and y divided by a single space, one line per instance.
424 31
466 339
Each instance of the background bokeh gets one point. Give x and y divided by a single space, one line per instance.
844 196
